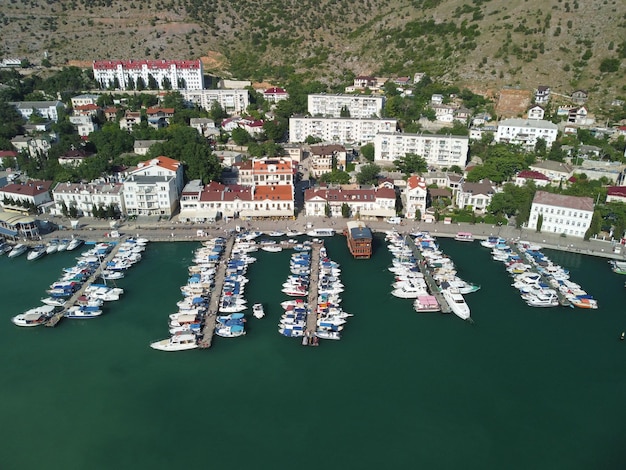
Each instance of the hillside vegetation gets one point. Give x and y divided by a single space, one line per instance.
483 44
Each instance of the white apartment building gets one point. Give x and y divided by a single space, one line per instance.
182 74
570 215
154 187
475 196
359 106
82 100
526 132
437 150
231 101
340 130
86 197
46 109
84 125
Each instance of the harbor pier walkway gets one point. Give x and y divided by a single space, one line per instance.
54 319
430 282
214 304
311 318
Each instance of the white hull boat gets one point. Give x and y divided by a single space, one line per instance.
178 342
457 303
35 316
17 250
257 311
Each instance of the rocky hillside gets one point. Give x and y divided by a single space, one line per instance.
484 44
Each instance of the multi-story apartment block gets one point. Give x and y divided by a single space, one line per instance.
437 150
181 74
557 213
272 171
322 157
87 197
46 109
154 187
231 101
526 132
340 130
414 197
358 106
14 195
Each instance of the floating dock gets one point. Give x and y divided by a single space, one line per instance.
430 282
214 304
311 317
56 318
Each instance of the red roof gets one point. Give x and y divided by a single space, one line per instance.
416 181
151 64
534 175
8 154
87 107
32 188
164 162
275 91
619 191
350 195
276 192
160 110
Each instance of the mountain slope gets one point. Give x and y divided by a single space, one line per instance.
484 44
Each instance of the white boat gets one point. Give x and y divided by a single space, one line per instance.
456 302
321 232
74 243
230 331
257 311
464 237
77 312
111 275
53 246
35 316
272 248
325 334
37 252
276 234
62 246
178 342
426 303
17 250
54 301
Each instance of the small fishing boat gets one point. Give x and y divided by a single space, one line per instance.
257 311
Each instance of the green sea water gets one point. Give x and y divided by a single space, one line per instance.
521 388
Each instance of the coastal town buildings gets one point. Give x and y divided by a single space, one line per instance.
207 203
355 106
525 132
46 109
557 172
322 158
557 213
84 99
172 74
362 203
74 157
539 179
24 197
87 198
34 145
616 194
275 94
234 101
141 147
475 196
341 130
153 188
437 150
15 226
414 197
205 127
85 125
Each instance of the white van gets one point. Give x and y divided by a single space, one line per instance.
394 220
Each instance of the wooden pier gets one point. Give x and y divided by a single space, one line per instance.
214 304
311 318
52 322
430 282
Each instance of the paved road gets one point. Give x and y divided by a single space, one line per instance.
92 229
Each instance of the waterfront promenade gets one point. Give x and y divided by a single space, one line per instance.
93 229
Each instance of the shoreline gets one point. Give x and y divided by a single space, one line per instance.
173 231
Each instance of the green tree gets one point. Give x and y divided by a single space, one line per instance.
539 222
240 136
411 164
368 174
368 152
344 112
312 140
152 83
335 177
609 65
141 84
595 227
327 211
216 112
345 210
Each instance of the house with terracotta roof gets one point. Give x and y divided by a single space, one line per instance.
159 117
273 171
275 94
616 194
414 197
86 197
130 120
370 203
153 188
16 196
475 196
110 113
271 201
561 214
528 175
244 172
